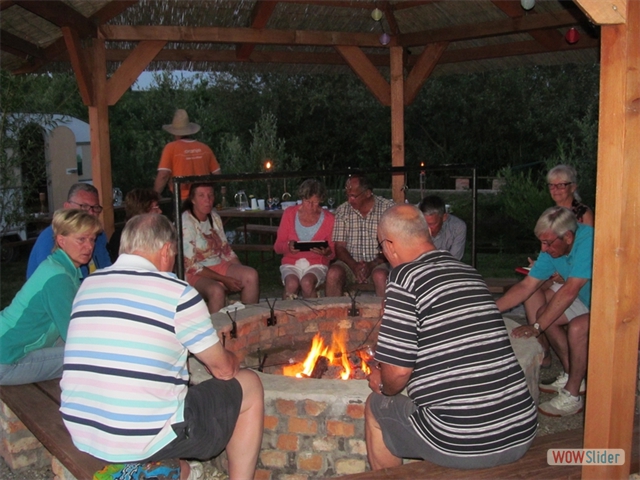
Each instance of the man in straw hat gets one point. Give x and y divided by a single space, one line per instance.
184 156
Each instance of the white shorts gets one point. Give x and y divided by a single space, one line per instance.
576 309
302 267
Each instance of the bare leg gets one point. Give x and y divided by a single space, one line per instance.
250 293
578 336
377 452
291 285
244 446
379 276
213 292
336 280
308 285
558 339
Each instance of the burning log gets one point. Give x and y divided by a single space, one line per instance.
319 369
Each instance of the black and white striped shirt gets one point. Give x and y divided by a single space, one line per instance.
470 392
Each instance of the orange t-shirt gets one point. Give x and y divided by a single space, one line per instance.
187 157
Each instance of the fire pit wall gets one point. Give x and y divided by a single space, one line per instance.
314 428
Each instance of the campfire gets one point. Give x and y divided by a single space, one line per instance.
332 361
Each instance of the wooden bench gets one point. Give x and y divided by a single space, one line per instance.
531 466
262 230
500 285
37 406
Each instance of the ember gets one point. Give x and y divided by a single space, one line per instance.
331 361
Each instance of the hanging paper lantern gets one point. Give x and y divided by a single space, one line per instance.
384 39
376 14
528 4
572 36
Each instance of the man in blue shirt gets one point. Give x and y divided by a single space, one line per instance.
563 312
85 197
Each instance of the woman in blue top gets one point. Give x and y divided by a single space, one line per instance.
33 327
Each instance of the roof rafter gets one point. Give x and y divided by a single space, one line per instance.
261 14
549 38
17 46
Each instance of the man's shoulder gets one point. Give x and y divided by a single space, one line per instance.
383 202
455 221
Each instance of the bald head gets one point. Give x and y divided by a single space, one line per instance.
406 232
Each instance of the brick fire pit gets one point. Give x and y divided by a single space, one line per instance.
314 428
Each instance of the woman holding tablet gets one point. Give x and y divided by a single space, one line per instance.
305 240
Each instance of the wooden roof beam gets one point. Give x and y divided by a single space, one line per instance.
424 65
529 47
128 33
551 39
262 11
135 63
388 9
111 10
367 72
50 53
488 29
79 63
4 4
60 14
604 12
18 46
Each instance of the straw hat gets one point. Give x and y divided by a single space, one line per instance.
181 125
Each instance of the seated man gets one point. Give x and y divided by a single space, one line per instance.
125 388
567 248
442 337
448 232
83 196
354 234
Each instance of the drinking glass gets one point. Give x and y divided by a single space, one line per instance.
331 201
270 202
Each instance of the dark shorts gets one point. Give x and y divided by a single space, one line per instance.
392 413
210 413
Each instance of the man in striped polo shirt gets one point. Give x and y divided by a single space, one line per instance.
125 388
443 338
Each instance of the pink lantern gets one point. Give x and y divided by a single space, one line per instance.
572 36
384 39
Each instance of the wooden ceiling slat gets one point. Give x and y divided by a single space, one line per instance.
551 39
62 15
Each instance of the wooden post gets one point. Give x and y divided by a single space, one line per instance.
397 121
99 130
615 309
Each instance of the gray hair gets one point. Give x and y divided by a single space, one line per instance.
432 205
312 187
566 172
363 181
406 222
148 233
81 187
559 220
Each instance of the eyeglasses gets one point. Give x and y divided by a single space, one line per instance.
547 244
352 196
83 206
558 186
381 242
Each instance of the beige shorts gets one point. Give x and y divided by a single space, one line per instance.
576 309
302 267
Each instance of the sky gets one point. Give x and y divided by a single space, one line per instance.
145 80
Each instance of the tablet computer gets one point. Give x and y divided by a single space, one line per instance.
306 246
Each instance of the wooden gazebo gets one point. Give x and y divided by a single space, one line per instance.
108 43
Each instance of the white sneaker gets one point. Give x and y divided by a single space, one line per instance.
196 472
559 383
562 405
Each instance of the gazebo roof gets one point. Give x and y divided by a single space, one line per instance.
297 36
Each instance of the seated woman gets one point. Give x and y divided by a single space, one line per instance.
209 263
137 202
305 270
563 188
33 328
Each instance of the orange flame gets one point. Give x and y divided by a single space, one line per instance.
336 354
